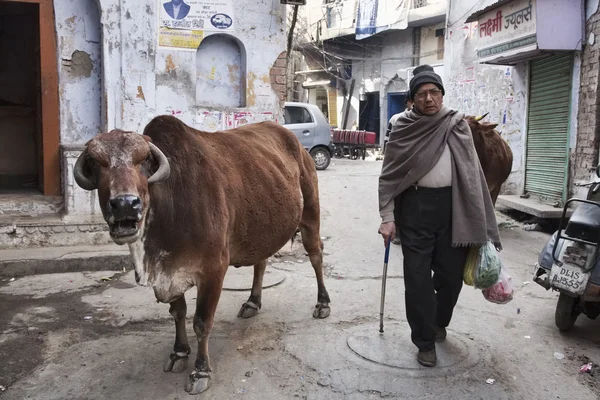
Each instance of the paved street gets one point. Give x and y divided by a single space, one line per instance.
50 350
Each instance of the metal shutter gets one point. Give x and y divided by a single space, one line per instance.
547 151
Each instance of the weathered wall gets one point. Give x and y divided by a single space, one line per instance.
429 45
113 74
476 89
585 157
79 68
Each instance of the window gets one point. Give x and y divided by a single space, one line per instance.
297 115
439 33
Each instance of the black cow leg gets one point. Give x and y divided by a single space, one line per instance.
178 359
252 305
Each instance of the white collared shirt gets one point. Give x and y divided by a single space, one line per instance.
176 10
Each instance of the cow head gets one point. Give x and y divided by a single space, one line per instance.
121 165
478 127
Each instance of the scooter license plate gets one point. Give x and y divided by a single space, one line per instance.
568 277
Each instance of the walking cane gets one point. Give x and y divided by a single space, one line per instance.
383 279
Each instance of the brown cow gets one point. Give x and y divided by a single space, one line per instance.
495 155
190 203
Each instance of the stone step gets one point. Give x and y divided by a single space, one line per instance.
46 260
29 204
51 230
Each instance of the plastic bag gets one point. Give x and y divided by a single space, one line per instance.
470 266
502 291
488 269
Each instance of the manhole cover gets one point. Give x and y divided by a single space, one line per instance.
394 348
239 279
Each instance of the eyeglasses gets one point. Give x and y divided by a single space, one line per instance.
433 92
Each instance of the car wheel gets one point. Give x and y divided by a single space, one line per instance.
321 158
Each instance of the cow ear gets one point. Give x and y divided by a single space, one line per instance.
491 126
147 138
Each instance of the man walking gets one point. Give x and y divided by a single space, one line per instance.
433 188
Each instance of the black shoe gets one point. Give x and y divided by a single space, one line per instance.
427 358
440 334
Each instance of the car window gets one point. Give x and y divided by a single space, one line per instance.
297 115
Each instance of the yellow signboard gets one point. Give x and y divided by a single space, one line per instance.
179 39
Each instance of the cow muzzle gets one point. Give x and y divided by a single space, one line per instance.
124 214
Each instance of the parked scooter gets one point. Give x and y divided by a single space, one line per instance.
569 261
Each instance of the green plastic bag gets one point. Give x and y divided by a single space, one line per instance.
488 268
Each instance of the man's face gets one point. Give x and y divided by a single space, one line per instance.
428 99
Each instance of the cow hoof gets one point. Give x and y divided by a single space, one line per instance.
197 382
248 310
321 311
176 363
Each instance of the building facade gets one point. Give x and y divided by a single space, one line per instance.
83 67
521 61
358 57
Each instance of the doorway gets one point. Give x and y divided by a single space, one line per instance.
20 137
29 130
548 121
396 104
369 114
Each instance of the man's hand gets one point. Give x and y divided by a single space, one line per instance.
387 230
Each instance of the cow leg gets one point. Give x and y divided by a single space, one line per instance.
209 291
252 305
314 247
178 359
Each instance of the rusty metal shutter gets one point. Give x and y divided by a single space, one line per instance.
548 120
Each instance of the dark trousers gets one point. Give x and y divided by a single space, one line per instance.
424 219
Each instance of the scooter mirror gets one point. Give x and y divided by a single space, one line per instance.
598 171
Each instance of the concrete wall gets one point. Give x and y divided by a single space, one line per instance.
429 45
585 157
114 75
79 37
475 88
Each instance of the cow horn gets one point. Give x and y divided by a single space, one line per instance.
481 117
164 169
79 173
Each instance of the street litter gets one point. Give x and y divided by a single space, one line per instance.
249 374
2 388
490 381
240 347
559 356
12 279
87 317
121 362
107 296
527 337
586 368
243 380
104 279
526 283
518 311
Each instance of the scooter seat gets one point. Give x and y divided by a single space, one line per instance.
584 224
